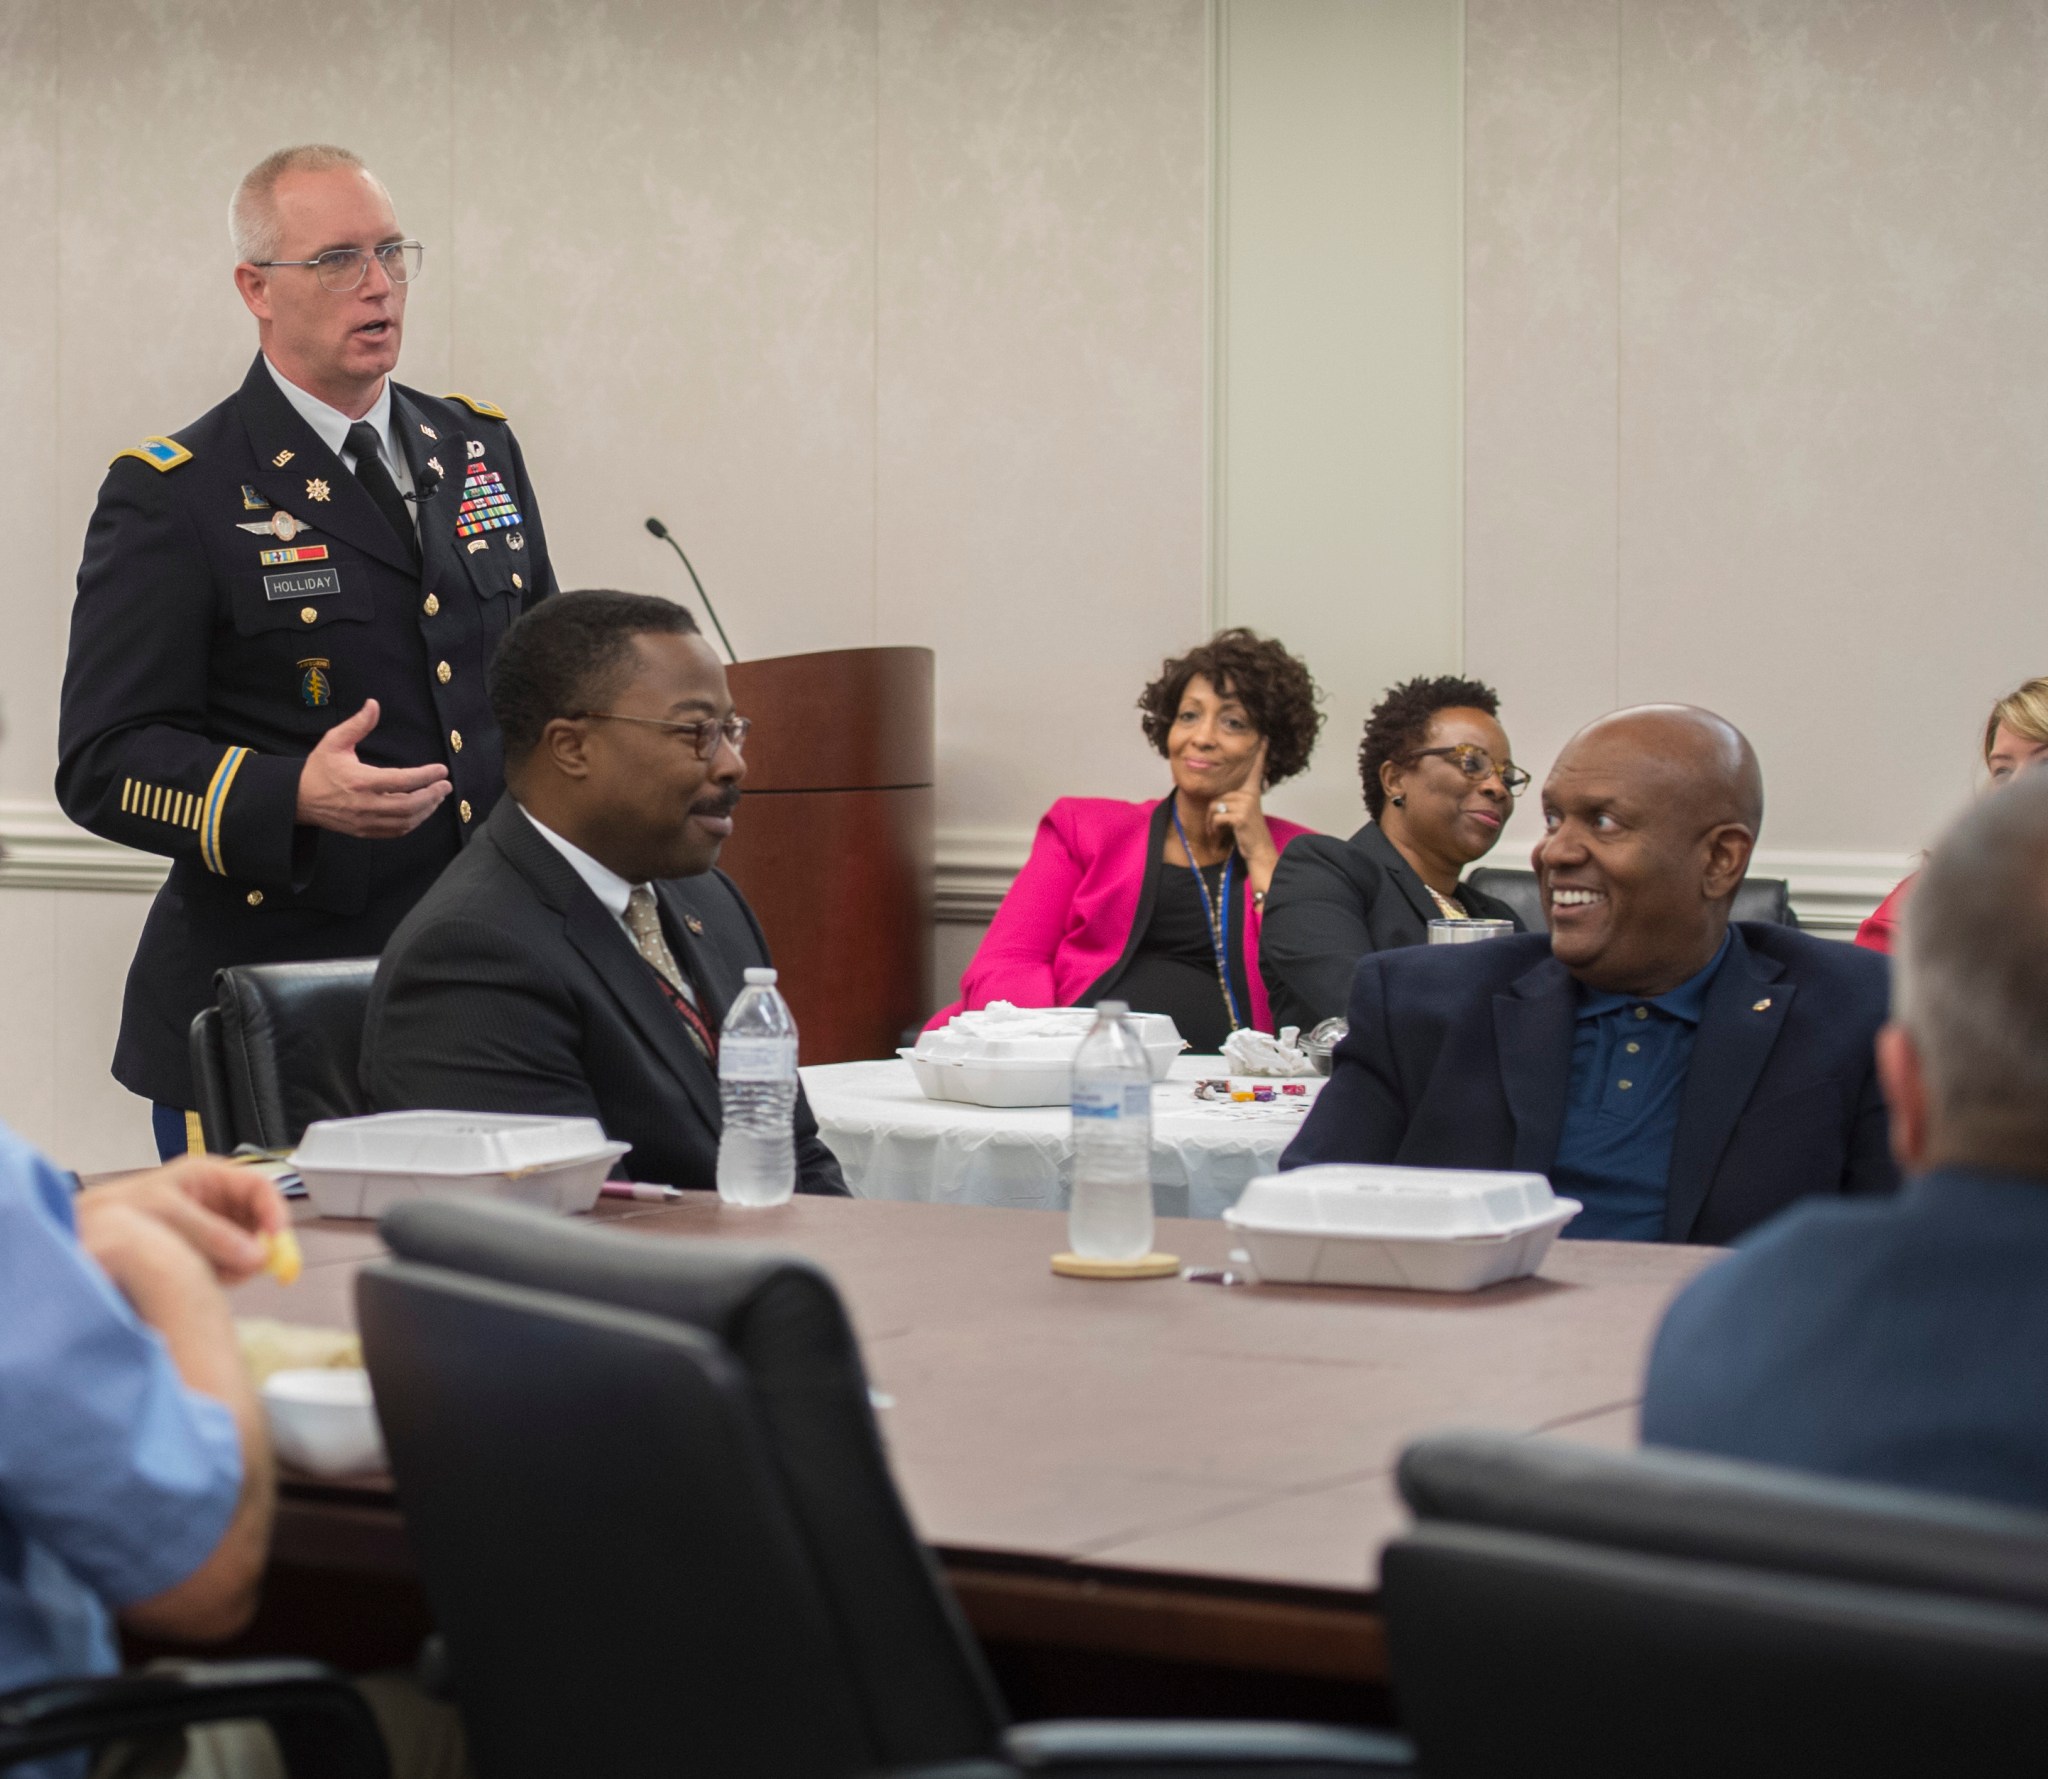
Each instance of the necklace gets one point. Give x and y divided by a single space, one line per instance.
1216 914
1445 906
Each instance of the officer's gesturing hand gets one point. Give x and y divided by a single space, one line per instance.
337 791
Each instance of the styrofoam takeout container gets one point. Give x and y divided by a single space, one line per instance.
359 1167
324 1420
1022 1056
1404 1228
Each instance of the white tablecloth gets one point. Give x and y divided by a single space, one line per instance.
892 1142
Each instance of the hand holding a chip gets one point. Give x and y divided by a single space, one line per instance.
228 1220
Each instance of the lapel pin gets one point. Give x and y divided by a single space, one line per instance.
252 502
282 458
434 464
694 924
316 489
428 430
1762 1006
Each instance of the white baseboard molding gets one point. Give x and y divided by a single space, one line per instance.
45 851
1831 891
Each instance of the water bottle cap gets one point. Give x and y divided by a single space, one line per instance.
758 978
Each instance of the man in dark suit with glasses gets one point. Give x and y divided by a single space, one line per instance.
578 960
276 672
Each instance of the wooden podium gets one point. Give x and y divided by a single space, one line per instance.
833 841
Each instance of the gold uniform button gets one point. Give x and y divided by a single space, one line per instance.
444 673
517 582
455 739
433 604
255 898
1642 1013
307 614
465 809
1624 1085
1633 1048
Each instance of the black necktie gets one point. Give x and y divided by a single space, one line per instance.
378 485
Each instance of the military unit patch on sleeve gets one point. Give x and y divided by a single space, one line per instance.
159 454
474 406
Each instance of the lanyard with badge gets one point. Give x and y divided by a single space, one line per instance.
1216 913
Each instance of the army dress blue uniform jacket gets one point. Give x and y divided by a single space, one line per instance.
207 658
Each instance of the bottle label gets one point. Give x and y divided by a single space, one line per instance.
1112 1099
757 1059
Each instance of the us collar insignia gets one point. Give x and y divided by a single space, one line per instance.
316 489
476 448
252 502
282 458
694 924
428 430
280 525
1762 1006
315 688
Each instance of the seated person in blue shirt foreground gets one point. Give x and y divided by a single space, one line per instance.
1683 1077
136 1482
1907 1342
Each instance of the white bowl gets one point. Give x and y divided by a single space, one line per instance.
324 1421
359 1167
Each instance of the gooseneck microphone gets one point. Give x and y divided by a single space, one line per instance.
661 531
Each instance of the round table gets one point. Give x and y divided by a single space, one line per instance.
892 1142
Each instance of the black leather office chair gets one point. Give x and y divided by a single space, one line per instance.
278 1049
1560 1610
323 1726
659 1533
1759 898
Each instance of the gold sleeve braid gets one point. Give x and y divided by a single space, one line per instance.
200 812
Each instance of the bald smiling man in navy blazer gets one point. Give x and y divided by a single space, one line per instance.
1683 1076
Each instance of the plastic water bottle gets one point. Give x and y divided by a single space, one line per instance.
1110 1214
757 1096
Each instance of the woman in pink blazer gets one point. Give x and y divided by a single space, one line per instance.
1159 904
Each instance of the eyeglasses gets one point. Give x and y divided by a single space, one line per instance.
342 268
704 736
1476 763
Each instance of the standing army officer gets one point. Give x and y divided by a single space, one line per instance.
276 673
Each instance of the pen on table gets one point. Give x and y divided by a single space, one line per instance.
654 1195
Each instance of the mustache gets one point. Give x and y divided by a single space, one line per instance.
719 802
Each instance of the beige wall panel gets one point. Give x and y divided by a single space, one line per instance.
28 1053
1338 358
1039 381
664 263
1541 113
34 568
98 1124
1834 388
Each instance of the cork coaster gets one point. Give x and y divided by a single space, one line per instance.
1153 1266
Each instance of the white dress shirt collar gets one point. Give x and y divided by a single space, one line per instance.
332 424
605 884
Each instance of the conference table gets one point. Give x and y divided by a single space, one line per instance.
1167 1469
894 1142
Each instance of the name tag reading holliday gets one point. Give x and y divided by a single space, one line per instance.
309 584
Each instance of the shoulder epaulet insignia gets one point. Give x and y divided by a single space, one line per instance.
157 453
474 406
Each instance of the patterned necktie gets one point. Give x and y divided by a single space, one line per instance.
363 443
643 920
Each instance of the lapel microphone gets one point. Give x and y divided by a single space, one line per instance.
426 482
661 531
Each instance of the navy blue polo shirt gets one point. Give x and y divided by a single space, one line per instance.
1630 1054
